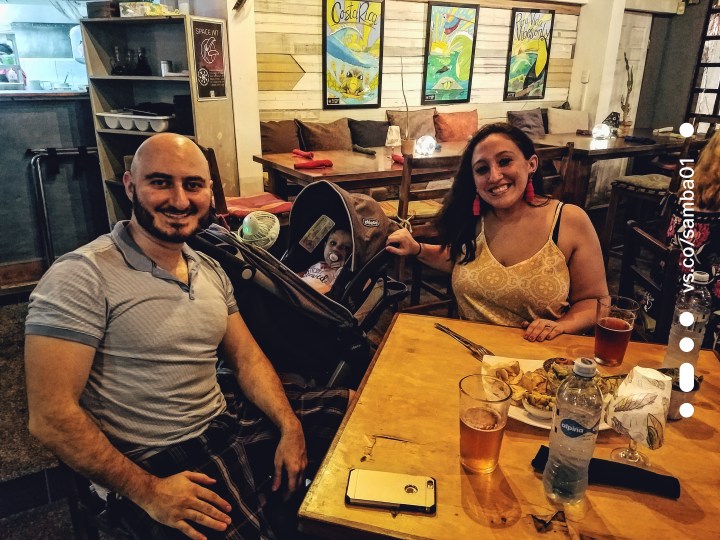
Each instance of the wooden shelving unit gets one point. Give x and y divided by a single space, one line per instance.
208 122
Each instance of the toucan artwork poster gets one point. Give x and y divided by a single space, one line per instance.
352 53
449 52
528 54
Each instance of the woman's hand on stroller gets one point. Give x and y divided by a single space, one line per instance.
291 456
402 243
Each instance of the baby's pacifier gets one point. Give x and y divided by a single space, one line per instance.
335 260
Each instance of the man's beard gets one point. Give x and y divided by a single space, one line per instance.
147 222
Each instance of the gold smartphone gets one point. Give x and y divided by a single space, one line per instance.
391 490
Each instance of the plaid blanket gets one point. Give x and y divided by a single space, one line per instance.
237 450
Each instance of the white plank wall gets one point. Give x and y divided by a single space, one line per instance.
294 28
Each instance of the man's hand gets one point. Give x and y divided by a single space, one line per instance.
291 456
176 500
542 329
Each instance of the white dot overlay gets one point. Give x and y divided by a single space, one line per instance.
687 344
686 410
687 318
686 129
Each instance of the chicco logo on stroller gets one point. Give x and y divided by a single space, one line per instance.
370 222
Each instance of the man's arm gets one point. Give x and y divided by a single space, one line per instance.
56 372
259 382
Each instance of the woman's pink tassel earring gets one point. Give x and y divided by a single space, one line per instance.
476 206
529 192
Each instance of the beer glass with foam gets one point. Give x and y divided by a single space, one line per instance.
484 404
613 326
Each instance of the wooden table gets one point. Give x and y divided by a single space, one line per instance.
406 420
353 170
589 150
350 170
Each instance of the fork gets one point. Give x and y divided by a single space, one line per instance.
478 350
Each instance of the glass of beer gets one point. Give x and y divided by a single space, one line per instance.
613 326
484 404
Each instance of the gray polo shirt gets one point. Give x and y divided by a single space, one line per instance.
152 382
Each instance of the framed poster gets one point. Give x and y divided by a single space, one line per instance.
449 52
209 63
528 53
352 53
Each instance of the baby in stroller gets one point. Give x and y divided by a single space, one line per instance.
321 275
324 336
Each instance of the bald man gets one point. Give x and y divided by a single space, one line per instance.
120 354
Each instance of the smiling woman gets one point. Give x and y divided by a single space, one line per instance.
517 258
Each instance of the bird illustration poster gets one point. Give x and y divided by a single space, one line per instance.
528 54
352 54
449 52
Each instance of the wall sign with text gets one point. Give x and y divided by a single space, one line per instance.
528 54
449 53
352 53
209 62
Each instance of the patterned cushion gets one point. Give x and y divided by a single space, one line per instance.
457 126
651 182
421 122
332 136
368 133
279 137
529 122
241 206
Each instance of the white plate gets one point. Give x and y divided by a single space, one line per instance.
519 413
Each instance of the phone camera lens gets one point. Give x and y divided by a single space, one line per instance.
411 489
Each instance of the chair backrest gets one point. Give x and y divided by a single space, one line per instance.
660 279
548 155
675 179
424 169
217 187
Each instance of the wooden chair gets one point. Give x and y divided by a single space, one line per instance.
239 207
645 187
416 208
561 159
660 280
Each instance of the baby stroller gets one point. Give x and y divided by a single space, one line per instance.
321 338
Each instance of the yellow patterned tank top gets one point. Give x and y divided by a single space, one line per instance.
537 287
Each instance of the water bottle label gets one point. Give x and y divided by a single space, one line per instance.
573 429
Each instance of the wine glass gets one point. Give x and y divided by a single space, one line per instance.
630 455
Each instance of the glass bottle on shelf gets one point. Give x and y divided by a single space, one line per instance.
143 67
130 62
117 67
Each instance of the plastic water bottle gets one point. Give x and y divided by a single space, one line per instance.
575 423
694 298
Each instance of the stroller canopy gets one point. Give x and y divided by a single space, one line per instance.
359 214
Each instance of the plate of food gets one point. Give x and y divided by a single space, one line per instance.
534 384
